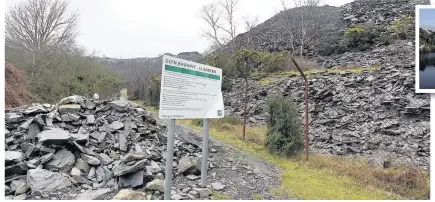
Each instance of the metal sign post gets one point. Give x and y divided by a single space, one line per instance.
169 158
204 153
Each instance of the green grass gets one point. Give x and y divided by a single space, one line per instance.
146 107
277 77
220 196
324 177
257 196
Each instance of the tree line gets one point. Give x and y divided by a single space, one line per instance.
41 40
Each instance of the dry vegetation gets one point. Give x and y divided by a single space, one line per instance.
16 93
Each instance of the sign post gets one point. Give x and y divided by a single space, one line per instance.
169 158
204 153
189 90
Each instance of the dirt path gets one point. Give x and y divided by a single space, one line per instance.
244 176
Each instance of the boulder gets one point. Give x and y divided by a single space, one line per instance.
189 165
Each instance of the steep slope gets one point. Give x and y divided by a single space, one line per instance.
273 34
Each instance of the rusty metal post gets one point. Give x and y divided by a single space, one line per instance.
306 105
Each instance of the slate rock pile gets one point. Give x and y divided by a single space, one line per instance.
86 149
374 114
379 12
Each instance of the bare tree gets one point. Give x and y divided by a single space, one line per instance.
249 25
229 6
221 21
39 24
304 29
211 16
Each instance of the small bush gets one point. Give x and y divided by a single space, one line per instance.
284 127
361 37
403 28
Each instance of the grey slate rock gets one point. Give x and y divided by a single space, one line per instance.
45 158
33 131
217 186
116 125
104 159
133 156
17 169
13 117
122 169
54 136
12 155
95 135
92 173
44 180
63 161
189 165
155 185
118 105
69 108
134 179
122 142
90 159
82 165
90 119
99 194
203 192
15 184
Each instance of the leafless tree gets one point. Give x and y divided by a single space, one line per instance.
211 16
229 6
249 25
303 30
40 24
221 21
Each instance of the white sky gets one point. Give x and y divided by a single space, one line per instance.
145 28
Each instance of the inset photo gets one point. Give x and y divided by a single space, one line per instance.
425 49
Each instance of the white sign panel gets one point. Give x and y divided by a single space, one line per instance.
190 90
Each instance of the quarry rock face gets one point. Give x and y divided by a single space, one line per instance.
369 113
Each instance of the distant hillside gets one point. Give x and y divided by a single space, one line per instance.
129 69
428 27
427 40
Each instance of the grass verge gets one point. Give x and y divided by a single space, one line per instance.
277 77
323 177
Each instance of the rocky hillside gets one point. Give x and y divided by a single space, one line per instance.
273 35
375 114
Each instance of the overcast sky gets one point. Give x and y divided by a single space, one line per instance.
147 28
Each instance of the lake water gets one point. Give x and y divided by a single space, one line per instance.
427 71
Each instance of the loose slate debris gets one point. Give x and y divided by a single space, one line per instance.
96 147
